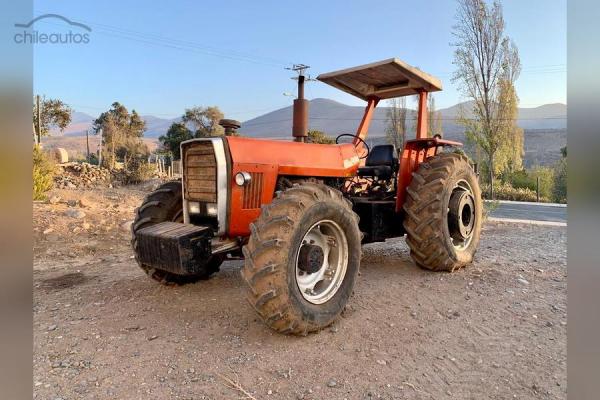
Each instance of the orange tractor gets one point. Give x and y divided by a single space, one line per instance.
298 212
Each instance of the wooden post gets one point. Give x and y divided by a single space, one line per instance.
100 151
537 188
87 144
39 126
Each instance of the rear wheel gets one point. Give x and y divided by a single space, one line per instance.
166 204
302 258
443 213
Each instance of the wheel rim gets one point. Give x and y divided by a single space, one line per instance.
461 215
321 262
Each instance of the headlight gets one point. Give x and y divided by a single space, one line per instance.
194 207
211 209
242 178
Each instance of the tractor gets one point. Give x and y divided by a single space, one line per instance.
298 212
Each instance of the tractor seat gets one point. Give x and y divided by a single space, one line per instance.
381 162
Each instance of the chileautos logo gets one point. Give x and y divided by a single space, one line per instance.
32 36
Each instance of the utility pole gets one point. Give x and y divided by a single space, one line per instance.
87 144
300 116
39 130
100 151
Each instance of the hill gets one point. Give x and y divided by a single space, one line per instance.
545 126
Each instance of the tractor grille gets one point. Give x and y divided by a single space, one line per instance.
200 172
253 191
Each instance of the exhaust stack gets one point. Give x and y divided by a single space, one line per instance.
300 109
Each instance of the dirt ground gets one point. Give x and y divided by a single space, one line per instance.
103 330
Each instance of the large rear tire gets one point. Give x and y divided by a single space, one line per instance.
166 204
443 213
302 258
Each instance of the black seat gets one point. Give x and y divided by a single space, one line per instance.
381 162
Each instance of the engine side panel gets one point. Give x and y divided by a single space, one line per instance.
266 160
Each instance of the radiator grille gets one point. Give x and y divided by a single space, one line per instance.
253 191
201 172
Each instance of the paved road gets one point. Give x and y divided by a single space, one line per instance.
530 211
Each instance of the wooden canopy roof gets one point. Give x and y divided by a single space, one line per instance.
383 80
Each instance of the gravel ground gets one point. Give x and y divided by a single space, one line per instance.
102 330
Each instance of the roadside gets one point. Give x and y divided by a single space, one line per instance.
515 211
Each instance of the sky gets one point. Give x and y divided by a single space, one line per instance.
162 57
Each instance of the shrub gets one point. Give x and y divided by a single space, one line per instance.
504 191
559 191
43 173
137 170
525 179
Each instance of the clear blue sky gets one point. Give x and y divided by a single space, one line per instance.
161 57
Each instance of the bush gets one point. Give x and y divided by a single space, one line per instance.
504 191
528 180
43 173
559 191
137 170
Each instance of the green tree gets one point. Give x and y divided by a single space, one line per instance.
53 113
315 136
485 57
204 120
176 134
559 191
43 172
395 130
121 134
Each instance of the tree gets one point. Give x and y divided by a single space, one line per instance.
176 134
559 190
487 64
315 136
204 120
434 125
53 113
121 134
395 130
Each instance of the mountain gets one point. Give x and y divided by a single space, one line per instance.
81 121
545 126
335 118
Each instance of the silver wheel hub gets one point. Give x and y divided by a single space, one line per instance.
321 262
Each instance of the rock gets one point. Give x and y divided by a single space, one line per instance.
54 200
381 362
52 328
47 231
332 383
71 203
413 314
523 281
153 337
74 213
86 226
126 226
83 202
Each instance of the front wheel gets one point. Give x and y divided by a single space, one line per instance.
166 204
443 213
302 258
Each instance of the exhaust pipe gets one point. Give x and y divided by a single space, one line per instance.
300 109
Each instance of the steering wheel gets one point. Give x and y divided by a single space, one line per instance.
359 141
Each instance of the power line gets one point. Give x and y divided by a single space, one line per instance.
159 40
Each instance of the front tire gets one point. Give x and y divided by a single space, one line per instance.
443 213
302 259
166 204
